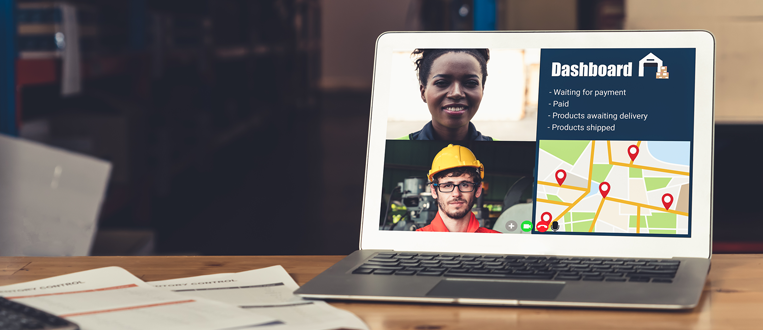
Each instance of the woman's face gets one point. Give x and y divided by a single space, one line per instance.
454 90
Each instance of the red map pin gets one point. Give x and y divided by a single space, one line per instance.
560 176
633 151
545 221
667 200
604 189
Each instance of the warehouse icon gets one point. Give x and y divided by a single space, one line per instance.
652 60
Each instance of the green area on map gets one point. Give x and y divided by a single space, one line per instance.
632 222
661 220
656 183
600 172
553 198
568 151
634 173
583 226
567 219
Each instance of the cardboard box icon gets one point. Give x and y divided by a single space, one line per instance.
663 69
662 75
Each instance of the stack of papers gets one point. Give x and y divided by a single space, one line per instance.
266 291
112 298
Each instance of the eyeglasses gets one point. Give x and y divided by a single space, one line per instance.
448 187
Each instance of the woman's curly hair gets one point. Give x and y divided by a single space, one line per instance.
425 58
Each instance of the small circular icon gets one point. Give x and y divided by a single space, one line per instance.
527 226
560 176
667 200
511 225
604 189
545 220
633 152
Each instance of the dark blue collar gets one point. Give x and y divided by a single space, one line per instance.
427 134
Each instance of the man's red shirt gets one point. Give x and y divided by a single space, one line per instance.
473 227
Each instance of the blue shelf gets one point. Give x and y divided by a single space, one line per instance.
484 15
8 68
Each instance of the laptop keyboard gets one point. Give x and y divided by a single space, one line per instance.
17 316
521 267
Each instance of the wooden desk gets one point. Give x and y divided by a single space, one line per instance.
732 299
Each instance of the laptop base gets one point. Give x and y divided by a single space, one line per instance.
339 283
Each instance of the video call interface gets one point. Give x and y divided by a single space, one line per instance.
540 141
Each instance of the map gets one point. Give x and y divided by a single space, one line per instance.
626 187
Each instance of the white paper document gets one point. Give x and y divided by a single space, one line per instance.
268 291
112 298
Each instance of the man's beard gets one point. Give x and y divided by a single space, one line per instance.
455 214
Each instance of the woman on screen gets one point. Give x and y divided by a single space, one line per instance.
451 82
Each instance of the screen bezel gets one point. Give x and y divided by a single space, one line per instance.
697 245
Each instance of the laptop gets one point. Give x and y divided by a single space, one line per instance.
586 171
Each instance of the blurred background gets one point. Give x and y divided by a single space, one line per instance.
238 127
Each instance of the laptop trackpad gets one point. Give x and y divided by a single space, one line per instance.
496 290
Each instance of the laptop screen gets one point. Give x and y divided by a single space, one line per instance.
540 141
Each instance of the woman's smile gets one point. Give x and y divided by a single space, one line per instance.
455 109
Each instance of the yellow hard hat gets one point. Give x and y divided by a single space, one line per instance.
452 157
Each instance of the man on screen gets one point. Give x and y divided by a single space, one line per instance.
456 183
